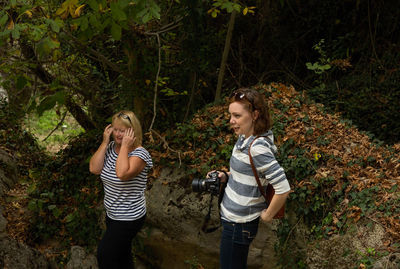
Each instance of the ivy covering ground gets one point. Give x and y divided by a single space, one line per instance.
338 174
356 164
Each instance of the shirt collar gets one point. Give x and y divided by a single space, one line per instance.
243 142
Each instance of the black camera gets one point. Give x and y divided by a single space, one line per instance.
211 184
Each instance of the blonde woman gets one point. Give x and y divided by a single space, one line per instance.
123 165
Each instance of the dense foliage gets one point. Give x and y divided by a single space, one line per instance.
18 142
65 197
161 58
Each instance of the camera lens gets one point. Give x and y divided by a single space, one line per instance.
197 185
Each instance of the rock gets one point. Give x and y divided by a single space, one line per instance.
13 254
173 233
336 252
8 172
342 251
81 260
3 224
391 261
16 255
173 224
3 94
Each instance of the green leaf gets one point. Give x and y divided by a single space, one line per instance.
31 188
55 25
60 97
21 82
116 31
3 19
94 21
40 203
93 4
117 13
46 45
46 104
69 217
36 32
123 3
225 5
50 101
154 10
15 32
55 210
146 18
105 24
5 33
84 24
32 205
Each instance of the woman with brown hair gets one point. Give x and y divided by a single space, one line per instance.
243 204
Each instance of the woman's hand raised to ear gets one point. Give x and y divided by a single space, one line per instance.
107 133
129 139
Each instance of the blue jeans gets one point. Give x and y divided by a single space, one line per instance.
235 242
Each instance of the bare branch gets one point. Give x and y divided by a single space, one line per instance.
156 83
58 125
97 56
165 143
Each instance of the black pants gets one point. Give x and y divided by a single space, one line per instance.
115 248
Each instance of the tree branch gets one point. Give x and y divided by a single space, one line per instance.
58 125
95 55
165 144
156 82
47 78
225 56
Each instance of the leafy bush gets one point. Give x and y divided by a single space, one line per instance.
65 197
22 145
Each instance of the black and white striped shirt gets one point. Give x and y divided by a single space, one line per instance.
124 199
243 201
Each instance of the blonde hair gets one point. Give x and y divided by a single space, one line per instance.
129 120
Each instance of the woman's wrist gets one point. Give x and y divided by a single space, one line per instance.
266 216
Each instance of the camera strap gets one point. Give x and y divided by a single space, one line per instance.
207 218
269 193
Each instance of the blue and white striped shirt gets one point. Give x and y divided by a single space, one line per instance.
124 199
243 201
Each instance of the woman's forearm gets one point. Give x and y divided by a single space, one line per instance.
97 161
122 164
278 200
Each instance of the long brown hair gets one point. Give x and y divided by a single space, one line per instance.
254 101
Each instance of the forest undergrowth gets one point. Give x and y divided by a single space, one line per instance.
339 175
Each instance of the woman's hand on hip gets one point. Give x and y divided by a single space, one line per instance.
265 216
